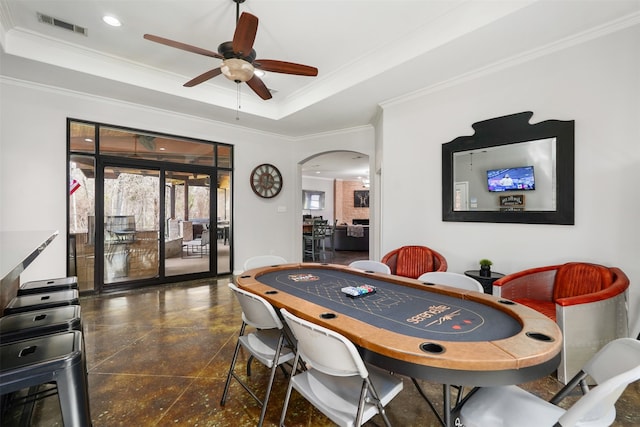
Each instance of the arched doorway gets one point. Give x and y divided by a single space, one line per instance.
335 187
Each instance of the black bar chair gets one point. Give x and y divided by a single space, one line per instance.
57 358
21 304
50 285
31 324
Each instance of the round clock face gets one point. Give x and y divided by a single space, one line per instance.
266 181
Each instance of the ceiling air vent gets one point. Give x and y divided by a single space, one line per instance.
46 19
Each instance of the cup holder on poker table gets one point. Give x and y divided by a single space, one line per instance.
431 347
328 315
539 336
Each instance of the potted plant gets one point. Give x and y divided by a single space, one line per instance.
485 267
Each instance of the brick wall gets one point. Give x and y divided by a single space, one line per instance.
345 211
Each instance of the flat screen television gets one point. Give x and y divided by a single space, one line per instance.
511 179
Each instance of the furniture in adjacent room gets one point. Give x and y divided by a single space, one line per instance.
329 234
436 333
360 221
314 242
614 367
198 246
223 231
485 281
351 238
412 261
370 265
263 261
588 301
266 343
334 378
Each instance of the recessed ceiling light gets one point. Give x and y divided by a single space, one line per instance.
111 20
88 140
162 148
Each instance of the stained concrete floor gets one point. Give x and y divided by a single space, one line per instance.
159 357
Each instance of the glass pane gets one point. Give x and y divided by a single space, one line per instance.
224 222
81 137
224 156
122 143
188 242
81 208
131 224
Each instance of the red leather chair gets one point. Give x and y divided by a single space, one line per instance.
588 301
413 261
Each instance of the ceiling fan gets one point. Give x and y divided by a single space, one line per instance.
239 58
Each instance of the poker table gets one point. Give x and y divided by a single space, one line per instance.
422 330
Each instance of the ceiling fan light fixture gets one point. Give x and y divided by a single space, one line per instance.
237 70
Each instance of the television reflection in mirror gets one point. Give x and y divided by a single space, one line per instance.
511 179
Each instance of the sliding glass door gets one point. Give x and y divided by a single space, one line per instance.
146 208
190 240
131 224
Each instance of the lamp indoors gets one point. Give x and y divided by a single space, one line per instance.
237 70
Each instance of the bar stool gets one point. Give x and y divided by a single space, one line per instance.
51 285
55 358
42 301
31 324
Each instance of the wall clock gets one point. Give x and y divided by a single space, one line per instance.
266 181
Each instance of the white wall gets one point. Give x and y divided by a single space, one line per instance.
597 84
33 168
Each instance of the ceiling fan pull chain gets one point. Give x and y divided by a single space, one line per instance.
238 101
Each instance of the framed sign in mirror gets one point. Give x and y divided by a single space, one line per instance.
508 158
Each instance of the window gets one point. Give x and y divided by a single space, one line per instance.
312 200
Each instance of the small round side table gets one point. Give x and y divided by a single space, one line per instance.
485 281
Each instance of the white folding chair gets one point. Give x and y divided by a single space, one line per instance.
456 280
370 265
263 261
336 380
266 343
614 367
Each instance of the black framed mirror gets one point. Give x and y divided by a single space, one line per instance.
510 171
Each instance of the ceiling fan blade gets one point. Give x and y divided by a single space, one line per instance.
285 67
245 34
183 46
259 87
203 77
